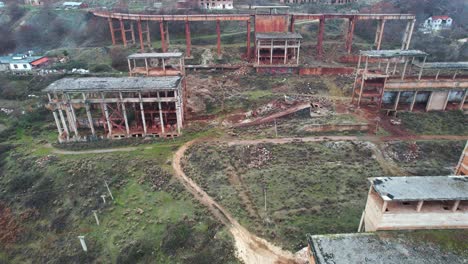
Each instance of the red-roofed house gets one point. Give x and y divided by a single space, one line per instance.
438 23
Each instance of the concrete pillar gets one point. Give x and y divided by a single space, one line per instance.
106 114
112 31
90 117
124 110
188 39
320 37
163 37
350 35
356 78
379 34
140 36
142 115
404 69
122 30
271 52
419 206
178 113
132 30
218 39
410 36
57 122
64 123
446 100
462 103
455 206
248 39
286 52
429 101
414 101
422 67
161 116
395 107
148 37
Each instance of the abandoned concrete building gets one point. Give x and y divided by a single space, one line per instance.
402 80
90 108
417 202
156 64
382 247
462 166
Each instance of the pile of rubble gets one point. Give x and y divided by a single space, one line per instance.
242 71
259 157
407 155
44 161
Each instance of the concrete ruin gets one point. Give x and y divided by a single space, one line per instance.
416 202
128 26
462 166
402 80
382 247
91 108
156 64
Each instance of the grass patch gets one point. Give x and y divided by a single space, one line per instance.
436 123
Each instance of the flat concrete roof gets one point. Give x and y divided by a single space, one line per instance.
421 188
393 53
461 65
382 247
278 35
165 55
109 84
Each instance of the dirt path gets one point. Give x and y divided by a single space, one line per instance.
250 248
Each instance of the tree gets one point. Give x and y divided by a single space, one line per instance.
7 41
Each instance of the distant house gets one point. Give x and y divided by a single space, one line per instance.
34 2
74 5
21 63
436 23
216 4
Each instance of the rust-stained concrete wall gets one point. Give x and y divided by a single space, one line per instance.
271 23
326 71
437 100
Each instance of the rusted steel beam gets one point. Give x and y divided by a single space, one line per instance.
163 38
188 40
350 35
237 17
218 38
140 36
122 30
320 37
248 39
111 28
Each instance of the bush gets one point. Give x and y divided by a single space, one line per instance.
23 181
177 236
100 68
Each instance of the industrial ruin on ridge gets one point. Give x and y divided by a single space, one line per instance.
399 203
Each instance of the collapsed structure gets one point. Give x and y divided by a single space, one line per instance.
417 202
388 248
402 80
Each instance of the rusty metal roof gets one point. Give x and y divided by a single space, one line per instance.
421 188
393 53
110 84
278 35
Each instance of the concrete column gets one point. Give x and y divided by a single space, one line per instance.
395 107
57 122
414 101
122 30
408 42
350 35
420 204
455 206
160 115
218 39
111 28
286 52
124 110
446 100
90 117
146 66
248 39
462 103
405 35
178 113
163 37
64 123
320 37
404 69
188 40
422 67
129 67
132 30
142 115
106 114
140 36
379 34
148 37
429 101
356 78
271 52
